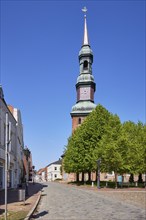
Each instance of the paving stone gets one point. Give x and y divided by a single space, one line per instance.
61 202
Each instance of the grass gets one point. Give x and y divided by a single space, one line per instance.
20 215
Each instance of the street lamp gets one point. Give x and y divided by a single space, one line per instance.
98 176
7 157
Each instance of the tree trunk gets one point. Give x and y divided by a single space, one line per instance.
131 178
77 177
82 176
116 186
89 176
140 180
95 176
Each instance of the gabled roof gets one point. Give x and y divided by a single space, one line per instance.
40 171
3 100
58 162
1 92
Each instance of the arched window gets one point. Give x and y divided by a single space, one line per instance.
79 121
85 65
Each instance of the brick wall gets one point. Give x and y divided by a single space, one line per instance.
75 121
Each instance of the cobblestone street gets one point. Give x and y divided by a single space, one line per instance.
60 201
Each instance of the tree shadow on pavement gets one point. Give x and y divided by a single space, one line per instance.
45 185
13 194
40 214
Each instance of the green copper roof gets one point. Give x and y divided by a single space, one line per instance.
85 78
83 107
85 49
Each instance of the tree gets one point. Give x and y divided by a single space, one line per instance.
136 138
85 145
121 147
112 150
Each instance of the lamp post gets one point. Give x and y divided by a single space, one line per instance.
6 164
7 158
98 176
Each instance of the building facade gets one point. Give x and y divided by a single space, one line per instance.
41 175
27 165
19 143
10 123
10 127
54 171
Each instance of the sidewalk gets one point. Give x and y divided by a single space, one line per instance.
14 205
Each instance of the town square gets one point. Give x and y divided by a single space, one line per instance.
72 110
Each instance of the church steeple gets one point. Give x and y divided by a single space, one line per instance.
85 39
85 86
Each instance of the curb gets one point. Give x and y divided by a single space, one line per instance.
33 208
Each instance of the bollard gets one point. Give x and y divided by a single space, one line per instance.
106 184
22 195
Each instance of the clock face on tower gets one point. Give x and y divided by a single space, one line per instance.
85 93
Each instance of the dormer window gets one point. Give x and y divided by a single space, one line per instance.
85 65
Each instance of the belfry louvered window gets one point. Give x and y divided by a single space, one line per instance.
79 121
85 65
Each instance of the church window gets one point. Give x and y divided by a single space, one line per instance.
79 122
85 65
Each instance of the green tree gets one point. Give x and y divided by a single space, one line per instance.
122 147
85 145
111 148
136 138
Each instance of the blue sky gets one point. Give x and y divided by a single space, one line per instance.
40 42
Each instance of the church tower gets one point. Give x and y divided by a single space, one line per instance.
85 86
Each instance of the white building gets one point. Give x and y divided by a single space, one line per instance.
41 175
20 144
54 171
12 147
16 140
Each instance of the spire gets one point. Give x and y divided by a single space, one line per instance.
85 39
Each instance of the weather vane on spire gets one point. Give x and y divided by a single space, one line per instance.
84 10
